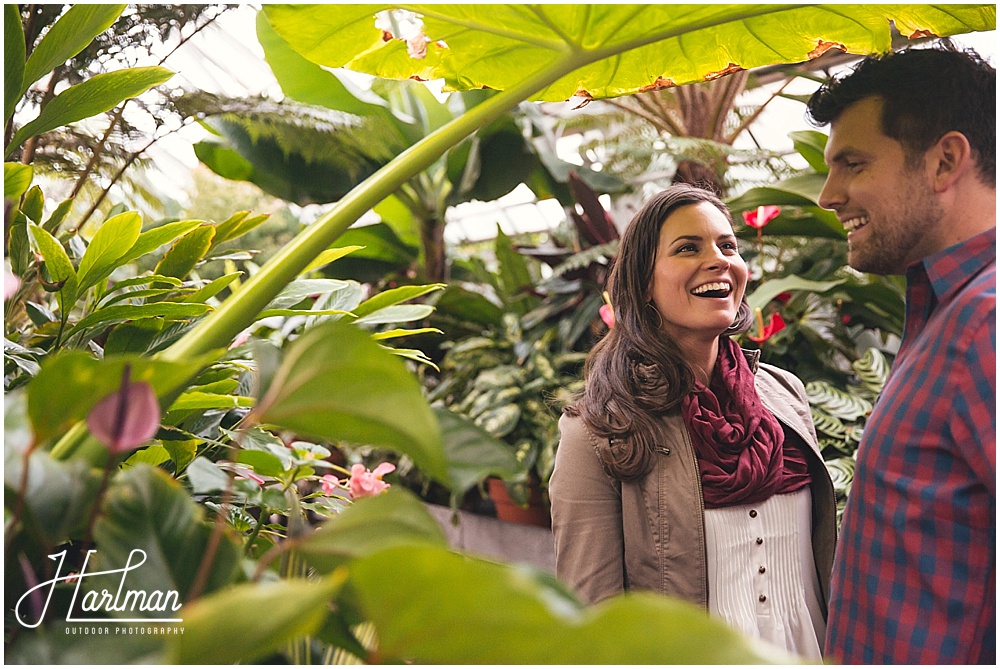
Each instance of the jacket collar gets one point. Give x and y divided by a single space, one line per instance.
753 358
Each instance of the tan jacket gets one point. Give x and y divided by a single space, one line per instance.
649 534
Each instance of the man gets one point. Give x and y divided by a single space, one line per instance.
912 154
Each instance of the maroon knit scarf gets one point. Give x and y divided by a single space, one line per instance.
740 444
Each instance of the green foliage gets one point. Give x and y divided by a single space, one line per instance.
510 388
527 617
337 384
426 604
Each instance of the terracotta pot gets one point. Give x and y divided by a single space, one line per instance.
536 513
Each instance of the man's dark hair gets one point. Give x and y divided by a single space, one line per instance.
925 94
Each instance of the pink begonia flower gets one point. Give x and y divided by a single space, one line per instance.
364 483
127 418
761 216
11 283
330 483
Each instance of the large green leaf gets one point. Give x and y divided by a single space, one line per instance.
394 296
393 518
810 145
153 239
16 177
67 37
89 98
145 509
228 628
57 262
622 49
112 241
472 453
174 311
186 252
337 384
13 60
433 606
58 496
768 290
305 81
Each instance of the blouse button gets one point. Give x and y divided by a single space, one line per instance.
753 513
761 569
762 598
759 541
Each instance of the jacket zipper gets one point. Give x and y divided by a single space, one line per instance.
701 507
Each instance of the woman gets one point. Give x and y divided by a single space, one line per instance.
687 467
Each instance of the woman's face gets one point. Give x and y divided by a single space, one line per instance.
698 275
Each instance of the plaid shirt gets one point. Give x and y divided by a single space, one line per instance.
914 581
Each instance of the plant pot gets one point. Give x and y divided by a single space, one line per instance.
536 513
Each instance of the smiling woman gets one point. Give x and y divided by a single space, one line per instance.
686 467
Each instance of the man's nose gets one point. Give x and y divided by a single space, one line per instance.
832 195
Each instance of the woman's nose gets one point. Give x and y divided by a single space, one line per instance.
717 261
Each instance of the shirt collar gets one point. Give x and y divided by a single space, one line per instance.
949 269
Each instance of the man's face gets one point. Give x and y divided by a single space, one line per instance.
888 208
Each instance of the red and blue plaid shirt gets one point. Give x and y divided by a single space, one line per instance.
914 581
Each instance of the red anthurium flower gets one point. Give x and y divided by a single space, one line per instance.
761 216
775 324
127 418
783 297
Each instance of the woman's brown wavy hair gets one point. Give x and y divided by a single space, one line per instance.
636 373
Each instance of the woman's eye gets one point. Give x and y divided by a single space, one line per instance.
730 246
686 248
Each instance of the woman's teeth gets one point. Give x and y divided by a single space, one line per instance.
718 289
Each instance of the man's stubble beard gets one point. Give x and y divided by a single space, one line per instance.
892 244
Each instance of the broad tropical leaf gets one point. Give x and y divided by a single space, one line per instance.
618 49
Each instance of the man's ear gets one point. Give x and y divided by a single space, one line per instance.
952 157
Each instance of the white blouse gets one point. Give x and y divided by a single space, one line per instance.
761 573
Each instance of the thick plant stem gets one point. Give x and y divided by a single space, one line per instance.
238 312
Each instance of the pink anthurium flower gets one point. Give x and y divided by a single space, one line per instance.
761 216
607 311
127 418
775 324
365 483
